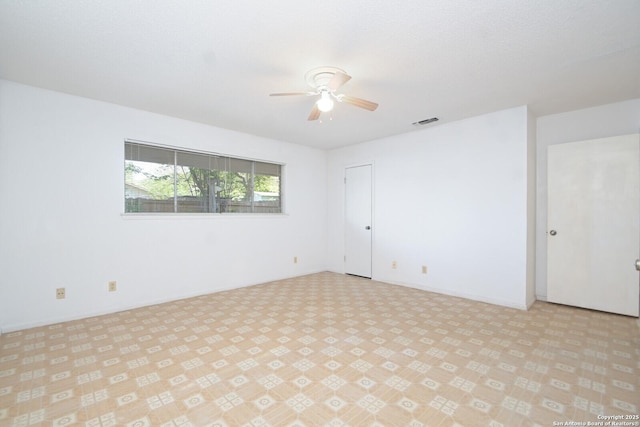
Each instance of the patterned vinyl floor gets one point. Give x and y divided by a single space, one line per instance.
324 349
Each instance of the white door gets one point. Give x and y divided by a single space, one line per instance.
358 232
593 230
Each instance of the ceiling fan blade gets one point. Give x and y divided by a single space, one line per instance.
362 103
338 79
315 113
290 94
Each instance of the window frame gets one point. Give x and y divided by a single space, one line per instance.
248 209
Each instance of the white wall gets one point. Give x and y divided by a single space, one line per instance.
452 197
61 222
598 122
531 209
457 197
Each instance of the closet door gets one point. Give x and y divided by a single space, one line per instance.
593 228
358 230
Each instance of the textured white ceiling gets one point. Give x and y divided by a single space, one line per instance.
216 62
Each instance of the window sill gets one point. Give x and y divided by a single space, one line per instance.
187 216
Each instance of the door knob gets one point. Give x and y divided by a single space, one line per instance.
368 227
553 232
638 264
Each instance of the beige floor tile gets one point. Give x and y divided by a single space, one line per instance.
323 349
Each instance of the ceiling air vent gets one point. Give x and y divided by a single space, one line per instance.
425 121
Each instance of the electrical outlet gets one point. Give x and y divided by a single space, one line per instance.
394 264
295 259
60 293
112 286
424 269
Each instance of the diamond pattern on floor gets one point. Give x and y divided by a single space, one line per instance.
323 349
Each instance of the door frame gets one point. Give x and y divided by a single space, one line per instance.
370 163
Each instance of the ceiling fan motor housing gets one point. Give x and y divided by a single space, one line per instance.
319 78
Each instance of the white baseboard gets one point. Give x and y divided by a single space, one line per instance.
52 321
480 298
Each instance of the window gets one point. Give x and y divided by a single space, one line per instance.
159 179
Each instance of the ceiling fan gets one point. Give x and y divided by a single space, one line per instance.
325 81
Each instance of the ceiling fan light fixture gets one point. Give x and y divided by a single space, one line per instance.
325 103
325 81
